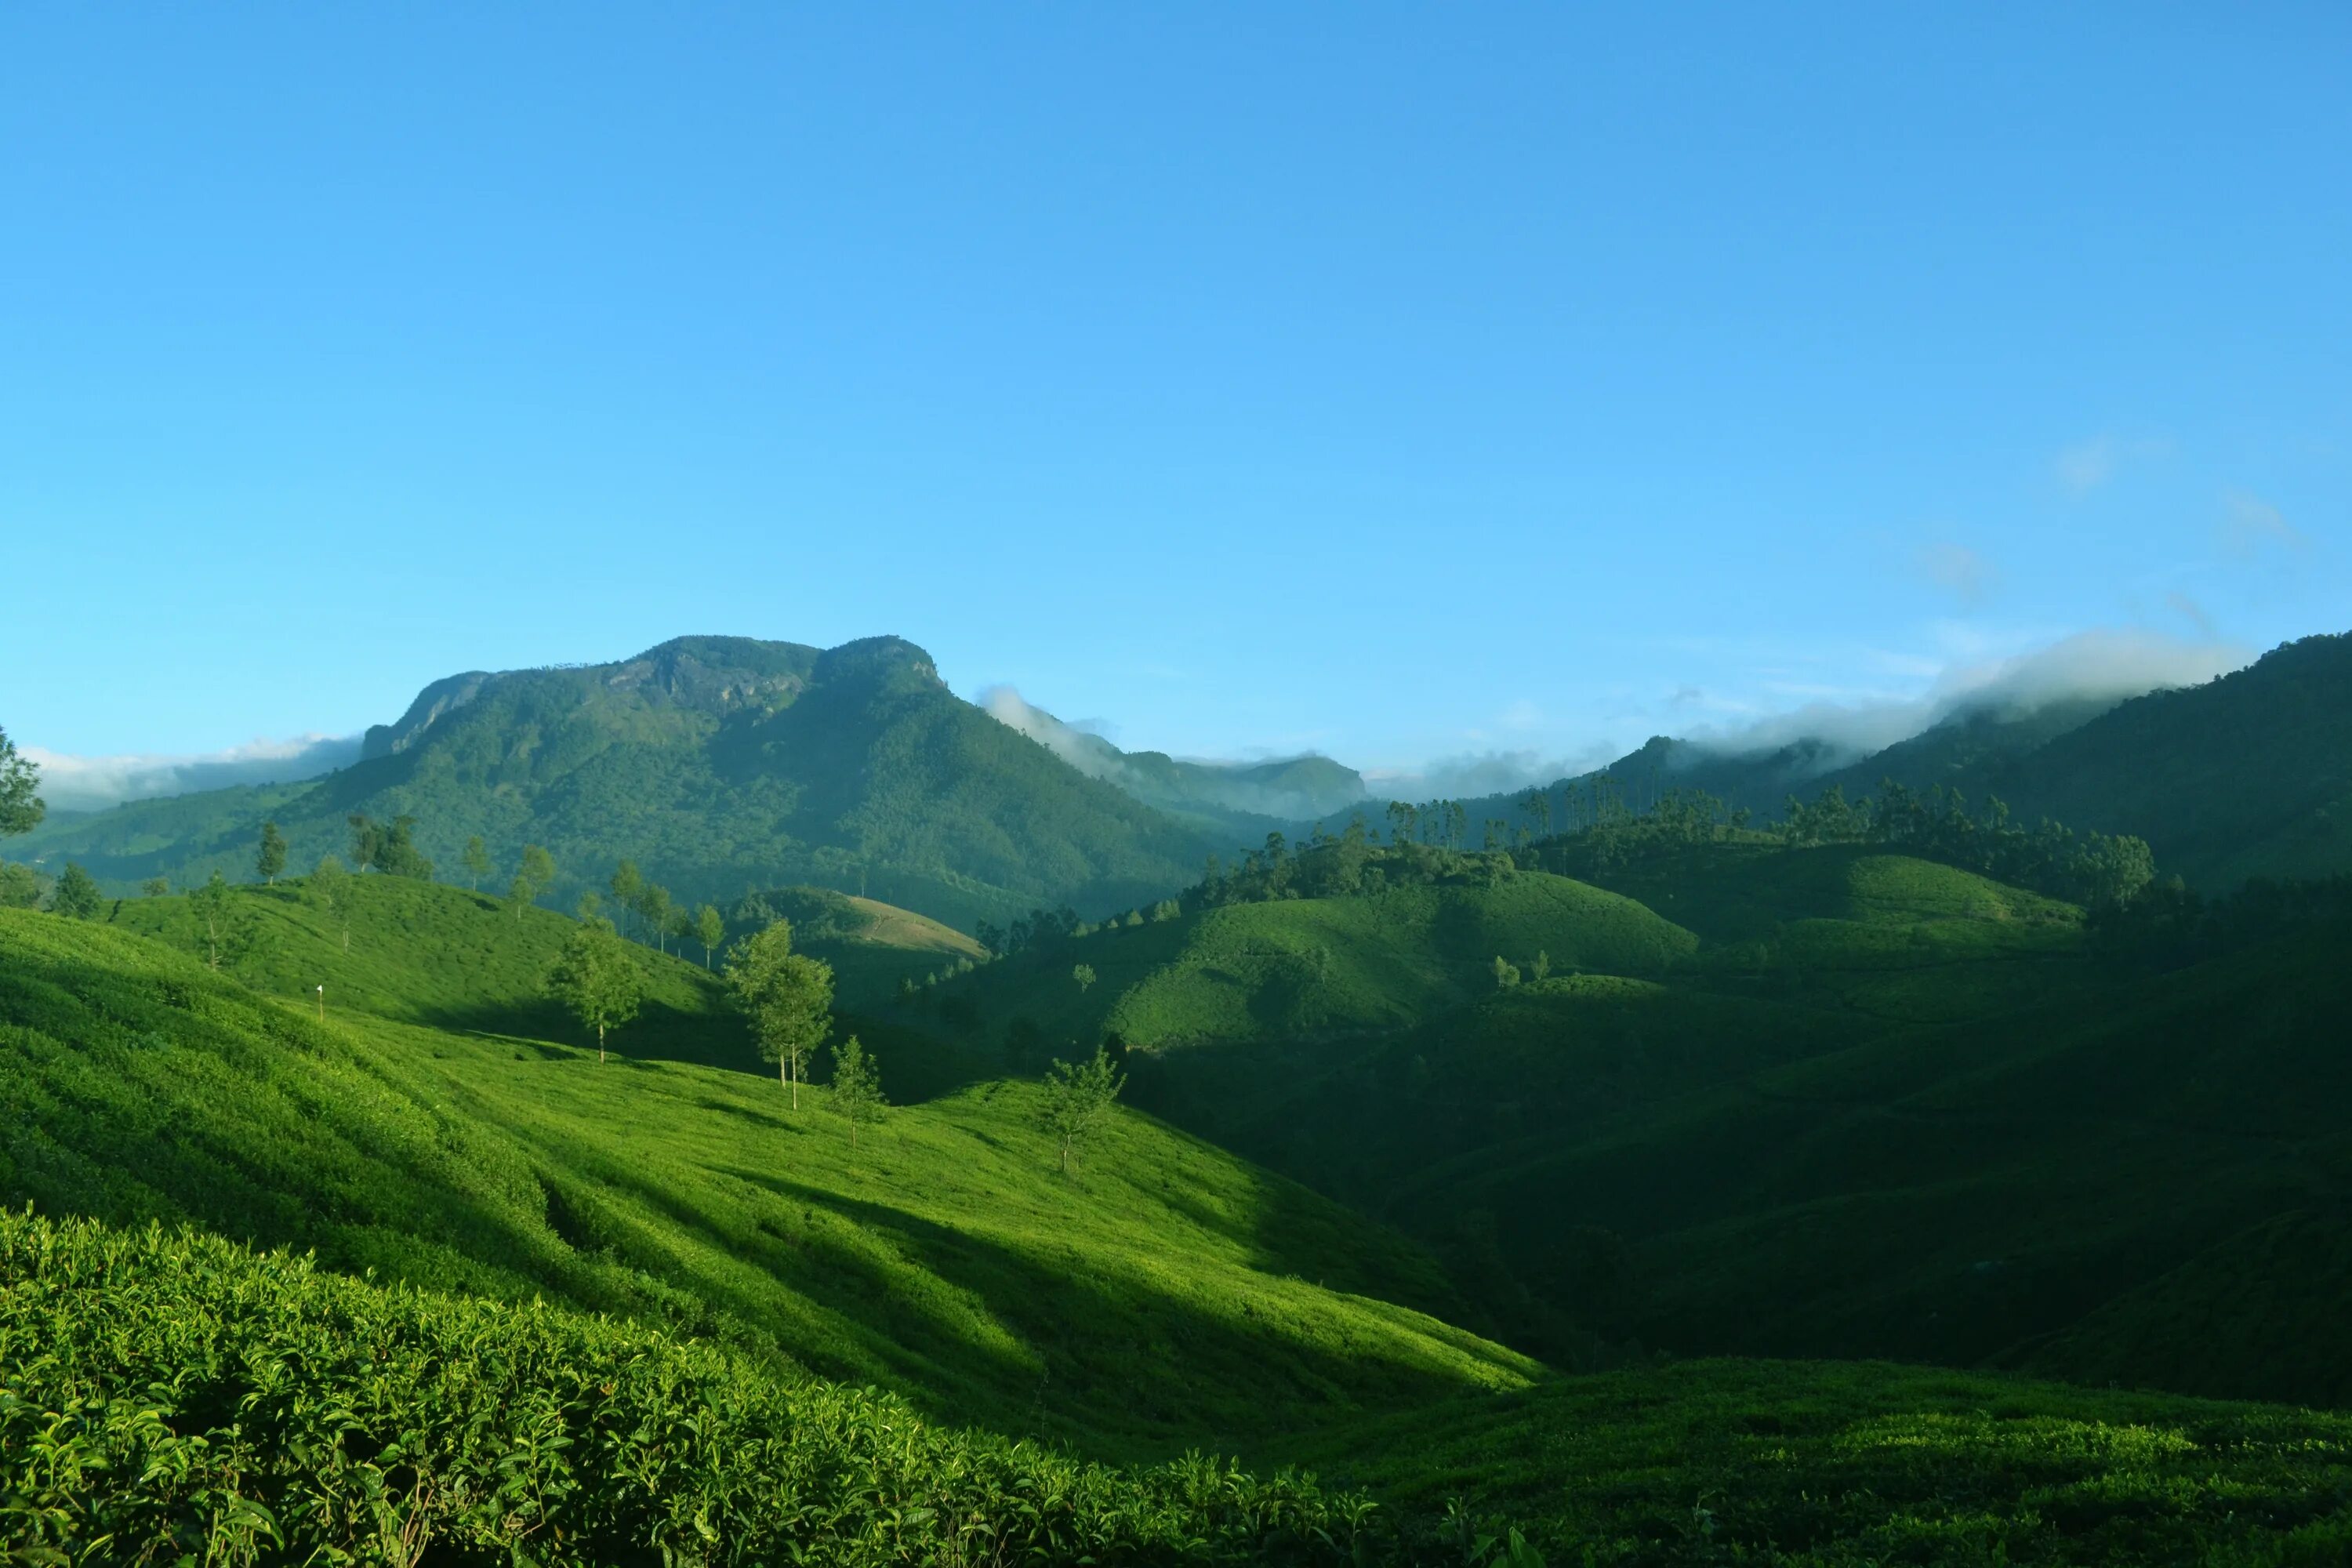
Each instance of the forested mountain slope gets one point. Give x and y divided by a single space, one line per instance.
717 763
2246 776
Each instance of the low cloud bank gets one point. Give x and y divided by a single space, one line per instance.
1470 774
2095 666
1293 789
92 784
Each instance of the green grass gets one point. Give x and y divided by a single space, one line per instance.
1304 967
1858 1465
1170 1288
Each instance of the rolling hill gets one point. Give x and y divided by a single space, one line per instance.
445 1142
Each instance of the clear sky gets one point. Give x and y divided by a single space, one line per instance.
1403 383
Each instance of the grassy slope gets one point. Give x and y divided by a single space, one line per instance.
1169 1290
1312 966
1890 1107
1857 1465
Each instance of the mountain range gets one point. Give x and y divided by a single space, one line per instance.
725 763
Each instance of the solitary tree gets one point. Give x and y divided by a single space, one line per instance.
596 977
20 777
1084 975
786 998
75 896
856 1086
221 926
590 907
1077 1095
155 887
682 929
539 866
518 895
270 859
367 838
326 888
711 930
477 862
1541 966
1506 973
626 884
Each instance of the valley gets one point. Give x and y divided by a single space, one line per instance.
1531 1196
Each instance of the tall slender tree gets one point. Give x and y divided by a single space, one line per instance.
476 860
857 1091
711 930
270 859
626 884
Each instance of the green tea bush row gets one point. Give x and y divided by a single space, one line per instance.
169 1396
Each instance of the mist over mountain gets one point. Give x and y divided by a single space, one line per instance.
72 783
1280 790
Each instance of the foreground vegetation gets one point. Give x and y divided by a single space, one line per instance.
168 1397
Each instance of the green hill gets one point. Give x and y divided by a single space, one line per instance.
716 764
1297 968
1877 1106
1169 1290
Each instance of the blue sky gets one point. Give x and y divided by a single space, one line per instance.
1404 383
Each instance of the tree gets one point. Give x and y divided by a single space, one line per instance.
366 839
1506 973
653 908
21 809
389 848
538 865
270 859
154 887
682 929
596 978
1077 1095
326 888
856 1086
785 997
711 930
20 888
590 907
1084 975
396 853
75 896
222 929
1541 966
477 861
626 884
519 892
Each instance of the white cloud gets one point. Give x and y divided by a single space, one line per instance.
89 784
2086 465
2249 522
2108 665
1964 572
